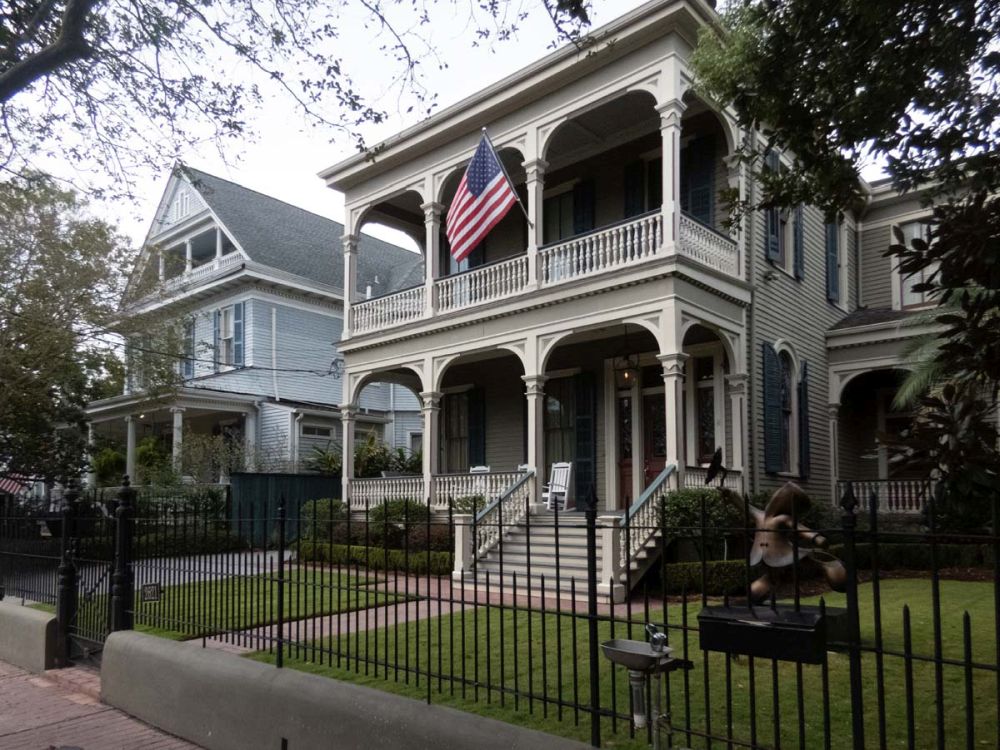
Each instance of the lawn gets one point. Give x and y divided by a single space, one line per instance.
548 660
235 603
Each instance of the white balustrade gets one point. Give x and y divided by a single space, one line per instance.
498 518
370 493
603 250
642 520
484 284
205 270
488 486
390 310
894 495
705 245
694 476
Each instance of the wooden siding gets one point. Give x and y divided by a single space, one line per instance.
876 270
274 437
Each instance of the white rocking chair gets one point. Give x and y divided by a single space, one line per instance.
555 494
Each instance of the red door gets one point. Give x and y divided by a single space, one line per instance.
654 436
624 451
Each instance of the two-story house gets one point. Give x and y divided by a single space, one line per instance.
624 326
260 301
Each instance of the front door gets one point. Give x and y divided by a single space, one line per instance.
654 436
624 450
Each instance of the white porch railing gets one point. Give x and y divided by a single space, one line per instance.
483 284
705 245
370 493
694 476
204 270
602 250
489 486
390 310
642 519
503 514
894 495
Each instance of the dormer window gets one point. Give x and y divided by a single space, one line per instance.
182 205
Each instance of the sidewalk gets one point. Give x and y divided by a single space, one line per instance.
60 709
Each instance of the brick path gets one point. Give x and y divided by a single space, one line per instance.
61 709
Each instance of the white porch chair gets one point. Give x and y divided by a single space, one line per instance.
479 470
555 494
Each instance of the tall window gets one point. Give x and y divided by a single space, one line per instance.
787 401
455 429
558 213
704 404
560 420
226 336
909 297
187 365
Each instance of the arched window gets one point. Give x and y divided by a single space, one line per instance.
787 407
786 419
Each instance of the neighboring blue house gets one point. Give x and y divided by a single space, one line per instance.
258 284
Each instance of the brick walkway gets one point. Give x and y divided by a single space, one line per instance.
61 709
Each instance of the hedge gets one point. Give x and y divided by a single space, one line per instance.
377 558
721 577
173 543
916 555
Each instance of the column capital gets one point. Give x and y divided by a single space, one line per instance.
350 243
673 364
833 410
534 384
177 409
432 210
129 418
737 382
348 412
535 168
430 400
670 113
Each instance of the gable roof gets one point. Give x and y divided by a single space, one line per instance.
291 239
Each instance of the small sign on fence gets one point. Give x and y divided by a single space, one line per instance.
151 592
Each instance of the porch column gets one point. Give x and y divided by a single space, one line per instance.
177 443
737 400
188 260
670 132
535 393
432 254
673 399
350 280
218 243
348 414
91 474
161 270
130 447
833 410
250 439
535 183
431 409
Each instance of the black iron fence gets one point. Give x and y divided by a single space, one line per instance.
785 627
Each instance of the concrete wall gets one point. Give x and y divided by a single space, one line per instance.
27 637
222 701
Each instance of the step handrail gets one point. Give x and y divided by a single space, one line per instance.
643 513
495 520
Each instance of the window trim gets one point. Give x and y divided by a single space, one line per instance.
715 350
782 346
315 426
843 275
897 274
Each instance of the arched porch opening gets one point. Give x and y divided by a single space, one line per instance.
388 412
708 413
706 142
393 223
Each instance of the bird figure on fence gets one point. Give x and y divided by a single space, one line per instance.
715 468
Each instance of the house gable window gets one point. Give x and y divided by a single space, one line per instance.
228 341
318 431
908 297
836 263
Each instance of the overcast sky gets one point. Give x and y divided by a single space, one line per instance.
286 153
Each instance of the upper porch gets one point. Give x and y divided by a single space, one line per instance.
624 175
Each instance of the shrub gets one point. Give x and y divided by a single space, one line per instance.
436 537
721 577
699 514
377 558
389 522
917 555
471 504
317 515
109 466
168 543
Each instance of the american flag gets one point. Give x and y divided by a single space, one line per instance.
483 198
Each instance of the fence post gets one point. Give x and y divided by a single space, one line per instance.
462 528
849 523
280 658
595 688
123 580
66 595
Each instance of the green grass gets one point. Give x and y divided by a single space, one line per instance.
193 610
524 665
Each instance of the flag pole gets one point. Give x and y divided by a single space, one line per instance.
489 140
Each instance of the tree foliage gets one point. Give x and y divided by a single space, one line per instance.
115 84
55 295
915 86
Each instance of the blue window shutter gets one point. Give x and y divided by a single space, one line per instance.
804 422
635 202
832 256
477 427
698 179
583 206
216 325
585 455
188 369
238 310
773 452
799 248
772 216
